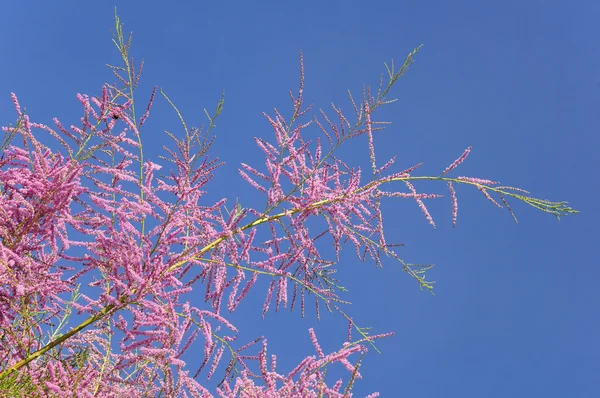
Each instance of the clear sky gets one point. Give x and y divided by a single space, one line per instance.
516 306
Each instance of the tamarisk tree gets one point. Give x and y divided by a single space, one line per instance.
91 205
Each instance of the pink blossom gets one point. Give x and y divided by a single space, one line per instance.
458 161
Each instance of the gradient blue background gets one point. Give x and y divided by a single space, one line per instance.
516 306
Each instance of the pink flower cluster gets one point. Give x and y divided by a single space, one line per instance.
92 207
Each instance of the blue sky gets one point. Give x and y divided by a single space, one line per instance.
515 311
